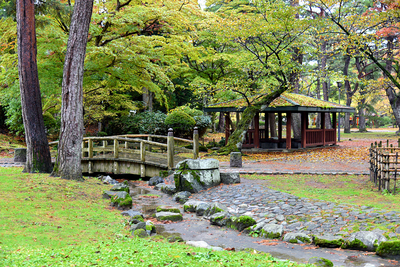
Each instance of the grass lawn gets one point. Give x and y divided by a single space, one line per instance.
47 221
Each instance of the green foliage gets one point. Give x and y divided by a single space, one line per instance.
181 122
190 111
147 122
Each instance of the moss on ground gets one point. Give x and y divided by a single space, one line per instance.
168 208
389 248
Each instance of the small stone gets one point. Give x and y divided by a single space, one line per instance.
236 159
199 244
320 262
155 180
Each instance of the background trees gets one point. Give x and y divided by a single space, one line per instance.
157 56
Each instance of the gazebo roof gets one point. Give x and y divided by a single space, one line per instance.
287 102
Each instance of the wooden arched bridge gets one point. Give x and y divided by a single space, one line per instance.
145 155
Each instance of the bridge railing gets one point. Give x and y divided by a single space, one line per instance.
133 147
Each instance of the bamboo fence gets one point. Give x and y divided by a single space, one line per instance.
384 165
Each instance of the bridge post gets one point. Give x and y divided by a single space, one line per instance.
90 155
142 159
196 143
170 149
116 154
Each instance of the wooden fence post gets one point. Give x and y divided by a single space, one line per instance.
196 143
142 159
170 149
116 154
90 155
149 146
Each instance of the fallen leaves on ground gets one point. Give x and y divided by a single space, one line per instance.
272 242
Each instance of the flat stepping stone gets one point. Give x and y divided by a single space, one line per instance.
169 216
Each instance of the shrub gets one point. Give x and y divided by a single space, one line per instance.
181 122
147 122
190 111
202 122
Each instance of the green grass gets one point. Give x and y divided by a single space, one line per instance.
47 221
344 189
369 135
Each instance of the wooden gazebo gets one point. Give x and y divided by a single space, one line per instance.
287 103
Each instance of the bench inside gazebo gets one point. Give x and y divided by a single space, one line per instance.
260 137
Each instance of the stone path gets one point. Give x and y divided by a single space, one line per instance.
297 214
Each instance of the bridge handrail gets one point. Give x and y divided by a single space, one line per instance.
125 138
157 136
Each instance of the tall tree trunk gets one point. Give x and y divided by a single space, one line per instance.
318 91
294 80
349 92
221 123
147 99
38 154
361 123
394 99
68 164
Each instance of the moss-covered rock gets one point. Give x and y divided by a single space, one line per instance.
328 241
120 187
175 238
220 218
150 227
136 219
241 223
140 233
389 248
215 208
364 240
272 231
169 216
320 262
297 238
167 208
191 205
120 198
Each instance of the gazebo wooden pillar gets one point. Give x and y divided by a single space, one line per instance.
227 127
288 130
280 126
323 128
334 125
304 126
257 130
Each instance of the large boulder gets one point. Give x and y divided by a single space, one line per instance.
364 240
195 175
